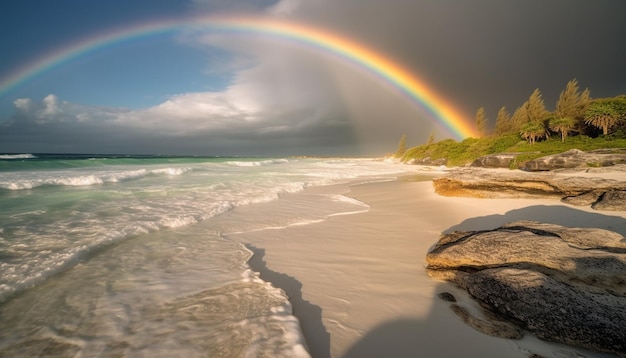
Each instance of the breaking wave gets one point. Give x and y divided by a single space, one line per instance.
65 178
17 156
257 163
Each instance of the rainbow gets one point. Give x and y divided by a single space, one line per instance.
383 67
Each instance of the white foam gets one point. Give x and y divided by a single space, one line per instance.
20 185
349 213
349 200
17 156
292 340
75 181
35 179
171 171
124 175
174 222
256 163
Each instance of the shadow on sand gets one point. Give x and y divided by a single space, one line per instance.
436 335
439 334
398 338
551 214
310 315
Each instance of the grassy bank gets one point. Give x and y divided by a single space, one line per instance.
465 152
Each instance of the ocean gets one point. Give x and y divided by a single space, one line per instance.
131 255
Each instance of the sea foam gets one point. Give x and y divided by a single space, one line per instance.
17 156
35 179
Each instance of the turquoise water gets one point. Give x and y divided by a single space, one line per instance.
126 255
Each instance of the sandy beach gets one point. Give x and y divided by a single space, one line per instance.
357 282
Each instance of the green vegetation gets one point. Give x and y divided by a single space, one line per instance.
481 122
460 153
555 146
578 122
606 113
466 151
401 147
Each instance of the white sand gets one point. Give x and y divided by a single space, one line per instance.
358 283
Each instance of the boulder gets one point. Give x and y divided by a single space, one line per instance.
498 183
611 200
585 199
565 285
575 158
501 160
552 310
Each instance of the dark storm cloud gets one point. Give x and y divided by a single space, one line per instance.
232 5
490 52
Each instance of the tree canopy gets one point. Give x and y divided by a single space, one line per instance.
504 124
535 107
606 113
575 113
401 147
481 122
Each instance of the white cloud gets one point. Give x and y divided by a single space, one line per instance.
23 104
188 113
51 106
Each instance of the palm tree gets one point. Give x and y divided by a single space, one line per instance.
563 125
602 115
531 131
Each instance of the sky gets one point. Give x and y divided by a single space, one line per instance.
207 92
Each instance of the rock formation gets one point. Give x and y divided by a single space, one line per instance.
575 158
564 285
500 160
611 200
601 193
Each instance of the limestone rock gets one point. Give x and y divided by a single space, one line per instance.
501 160
553 310
584 199
499 183
565 285
575 158
611 200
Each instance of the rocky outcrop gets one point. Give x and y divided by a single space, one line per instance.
611 200
564 285
575 158
601 193
500 160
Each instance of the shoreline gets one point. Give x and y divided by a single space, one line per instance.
357 282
